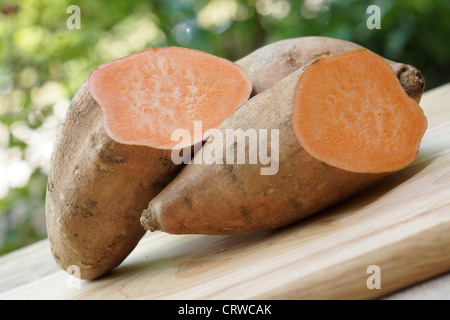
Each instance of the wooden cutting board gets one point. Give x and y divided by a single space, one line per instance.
400 225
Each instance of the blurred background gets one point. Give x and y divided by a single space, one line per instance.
43 63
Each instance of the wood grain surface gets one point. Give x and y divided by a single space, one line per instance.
401 225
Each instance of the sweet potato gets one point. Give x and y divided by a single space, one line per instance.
112 154
344 122
273 62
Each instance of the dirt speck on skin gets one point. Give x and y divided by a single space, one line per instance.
245 212
228 168
164 161
50 186
115 241
158 185
77 210
116 159
103 167
295 204
188 202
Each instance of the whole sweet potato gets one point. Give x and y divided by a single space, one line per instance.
342 122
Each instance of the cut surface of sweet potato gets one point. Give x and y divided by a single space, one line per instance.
148 95
351 112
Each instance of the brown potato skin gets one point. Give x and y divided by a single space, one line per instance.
273 62
97 189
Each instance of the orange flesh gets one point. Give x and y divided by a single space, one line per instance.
350 111
148 95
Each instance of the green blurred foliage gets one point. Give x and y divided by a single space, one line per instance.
43 63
